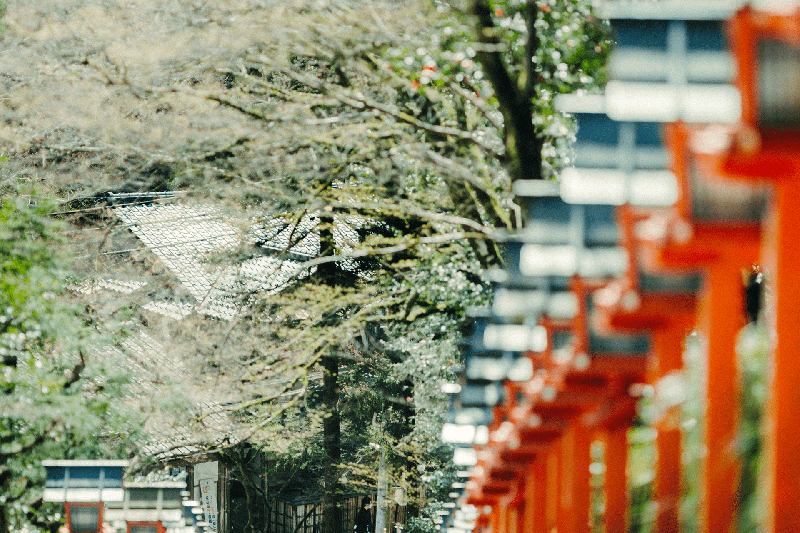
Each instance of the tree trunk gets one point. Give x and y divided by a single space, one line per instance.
5 481
247 461
381 501
514 95
331 428
3 519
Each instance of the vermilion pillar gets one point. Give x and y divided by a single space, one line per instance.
516 508
498 519
782 258
668 347
575 495
722 252
767 148
483 524
716 228
524 502
534 512
721 318
616 478
553 488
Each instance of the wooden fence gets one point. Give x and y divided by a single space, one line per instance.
306 516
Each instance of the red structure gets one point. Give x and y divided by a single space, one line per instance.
738 206
663 305
146 527
84 517
535 472
765 150
715 228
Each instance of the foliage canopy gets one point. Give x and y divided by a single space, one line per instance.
406 123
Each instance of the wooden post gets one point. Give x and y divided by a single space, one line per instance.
503 511
553 487
582 488
497 519
721 317
575 495
616 479
765 151
533 519
514 509
668 345
783 416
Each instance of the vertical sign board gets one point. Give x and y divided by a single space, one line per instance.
206 476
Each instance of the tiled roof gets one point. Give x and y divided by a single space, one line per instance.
185 237
125 287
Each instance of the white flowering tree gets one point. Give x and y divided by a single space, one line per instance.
391 132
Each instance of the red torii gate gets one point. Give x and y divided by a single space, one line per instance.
518 480
714 228
663 305
534 473
764 151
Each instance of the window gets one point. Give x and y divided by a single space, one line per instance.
84 518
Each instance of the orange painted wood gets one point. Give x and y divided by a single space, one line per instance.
498 519
723 249
721 318
618 410
483 523
575 495
503 476
582 489
668 350
159 526
667 489
566 460
708 244
783 417
776 159
553 489
535 496
514 519
524 503
613 366
746 28
615 487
